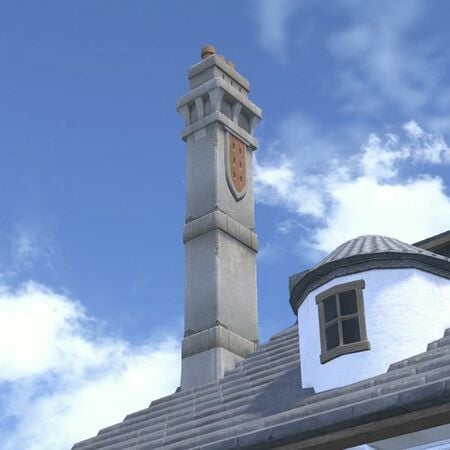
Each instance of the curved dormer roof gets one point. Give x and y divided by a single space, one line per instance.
361 254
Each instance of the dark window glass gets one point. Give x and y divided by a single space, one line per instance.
332 336
348 303
350 331
329 306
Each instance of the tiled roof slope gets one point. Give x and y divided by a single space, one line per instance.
438 237
260 404
365 253
245 393
370 244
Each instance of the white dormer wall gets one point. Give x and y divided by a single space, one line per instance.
405 310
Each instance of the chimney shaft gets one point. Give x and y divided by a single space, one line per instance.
221 320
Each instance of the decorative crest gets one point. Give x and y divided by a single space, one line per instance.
235 164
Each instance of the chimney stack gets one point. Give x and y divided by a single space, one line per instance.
221 318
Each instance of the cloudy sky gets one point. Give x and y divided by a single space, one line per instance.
355 140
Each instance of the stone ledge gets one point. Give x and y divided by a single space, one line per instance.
220 83
221 221
217 336
215 60
217 116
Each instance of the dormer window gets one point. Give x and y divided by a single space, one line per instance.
341 319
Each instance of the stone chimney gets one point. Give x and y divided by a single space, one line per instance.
221 317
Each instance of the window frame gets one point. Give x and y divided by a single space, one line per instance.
342 349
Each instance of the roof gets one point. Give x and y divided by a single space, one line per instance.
440 243
260 404
431 240
361 254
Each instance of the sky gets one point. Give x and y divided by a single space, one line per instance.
354 140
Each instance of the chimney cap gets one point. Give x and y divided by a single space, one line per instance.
207 51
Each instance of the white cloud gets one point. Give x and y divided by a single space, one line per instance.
61 379
24 246
384 188
272 18
381 62
411 211
378 159
413 129
275 184
286 226
426 146
383 57
294 175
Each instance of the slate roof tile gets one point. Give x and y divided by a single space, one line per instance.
260 402
365 253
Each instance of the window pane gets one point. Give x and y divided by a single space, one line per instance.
350 331
332 335
329 306
348 302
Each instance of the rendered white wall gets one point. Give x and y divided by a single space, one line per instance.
405 310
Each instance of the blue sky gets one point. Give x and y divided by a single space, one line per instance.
356 98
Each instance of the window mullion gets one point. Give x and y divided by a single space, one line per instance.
339 322
350 316
331 322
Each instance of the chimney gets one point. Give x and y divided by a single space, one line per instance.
221 317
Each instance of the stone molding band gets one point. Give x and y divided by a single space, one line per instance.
218 116
218 220
220 83
215 60
214 337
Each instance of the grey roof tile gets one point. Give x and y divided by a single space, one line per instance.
365 253
445 234
261 402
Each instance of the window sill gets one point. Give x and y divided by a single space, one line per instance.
354 347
